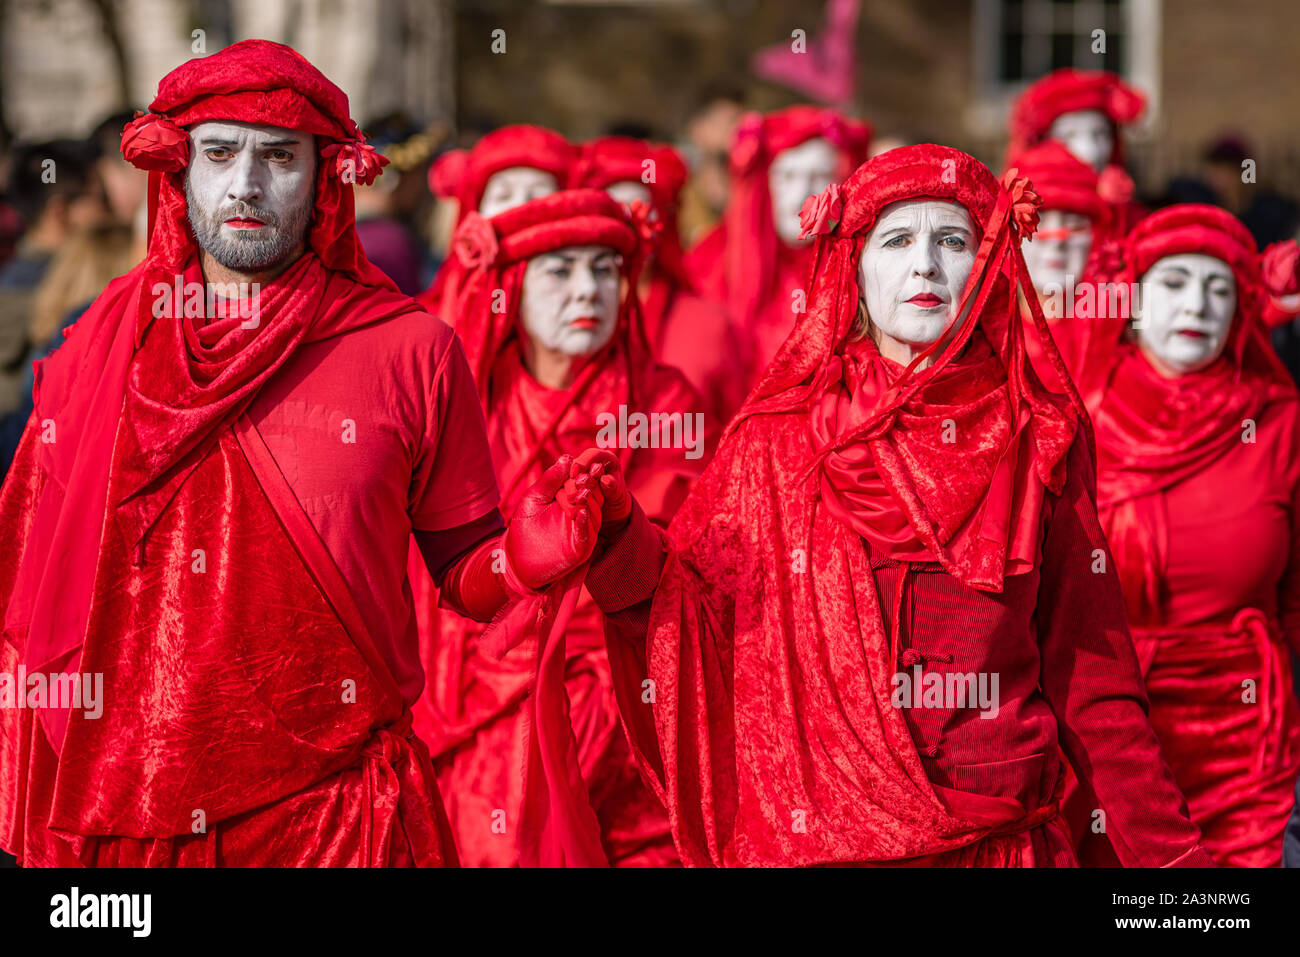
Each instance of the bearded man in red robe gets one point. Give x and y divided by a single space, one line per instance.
210 509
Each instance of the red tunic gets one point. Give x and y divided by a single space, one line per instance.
472 714
1214 649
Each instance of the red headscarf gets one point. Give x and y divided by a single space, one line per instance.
884 481
1072 91
1154 432
619 159
462 174
493 254
143 399
751 239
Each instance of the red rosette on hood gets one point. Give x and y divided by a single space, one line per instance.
153 142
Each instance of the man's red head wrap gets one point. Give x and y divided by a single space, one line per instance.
267 84
618 159
462 174
1071 91
752 242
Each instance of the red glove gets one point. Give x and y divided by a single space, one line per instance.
603 466
553 531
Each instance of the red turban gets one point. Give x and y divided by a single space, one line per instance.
462 174
1066 183
1072 91
751 235
620 159
492 253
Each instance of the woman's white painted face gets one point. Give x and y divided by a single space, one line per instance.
249 192
1188 302
513 187
570 299
1087 134
914 266
1059 250
796 174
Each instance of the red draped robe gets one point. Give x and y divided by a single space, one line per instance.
772 737
1209 542
472 714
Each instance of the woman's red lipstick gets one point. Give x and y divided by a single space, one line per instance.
926 300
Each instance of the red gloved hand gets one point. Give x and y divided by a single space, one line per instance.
552 532
603 466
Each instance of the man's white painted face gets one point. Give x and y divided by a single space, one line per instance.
1059 250
513 187
914 266
1188 302
796 174
1087 134
570 299
250 192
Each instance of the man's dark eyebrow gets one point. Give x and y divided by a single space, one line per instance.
269 144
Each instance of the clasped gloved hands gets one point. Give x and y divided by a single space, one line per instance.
556 526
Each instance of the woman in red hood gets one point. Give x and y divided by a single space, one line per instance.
1086 111
1198 463
685 330
754 259
898 469
506 167
1080 212
560 362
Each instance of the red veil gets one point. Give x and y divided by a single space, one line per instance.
756 725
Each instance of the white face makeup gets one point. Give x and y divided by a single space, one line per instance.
915 264
1087 134
249 192
1188 302
629 191
1059 250
513 187
796 174
570 299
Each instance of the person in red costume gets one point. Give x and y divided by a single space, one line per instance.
1086 111
686 331
754 259
1198 489
898 469
209 513
1080 212
555 355
504 168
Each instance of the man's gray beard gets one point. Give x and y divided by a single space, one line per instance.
248 250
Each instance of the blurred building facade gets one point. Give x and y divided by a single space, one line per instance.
927 69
